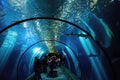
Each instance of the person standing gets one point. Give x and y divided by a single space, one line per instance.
37 68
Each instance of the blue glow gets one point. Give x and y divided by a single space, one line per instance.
36 50
76 63
25 25
68 63
7 47
82 40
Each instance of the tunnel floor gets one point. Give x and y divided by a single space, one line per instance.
62 72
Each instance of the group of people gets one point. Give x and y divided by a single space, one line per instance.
40 66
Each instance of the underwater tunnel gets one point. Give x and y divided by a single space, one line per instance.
69 31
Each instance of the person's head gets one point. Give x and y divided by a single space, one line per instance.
36 58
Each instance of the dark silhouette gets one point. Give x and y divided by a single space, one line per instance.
37 69
52 65
44 65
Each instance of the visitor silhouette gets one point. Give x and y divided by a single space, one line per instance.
37 68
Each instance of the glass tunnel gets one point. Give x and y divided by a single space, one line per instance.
66 28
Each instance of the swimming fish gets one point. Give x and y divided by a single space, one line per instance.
79 35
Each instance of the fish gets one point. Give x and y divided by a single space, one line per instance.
79 35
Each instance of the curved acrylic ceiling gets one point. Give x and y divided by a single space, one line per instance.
69 10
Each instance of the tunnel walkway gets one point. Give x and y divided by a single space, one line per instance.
63 74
